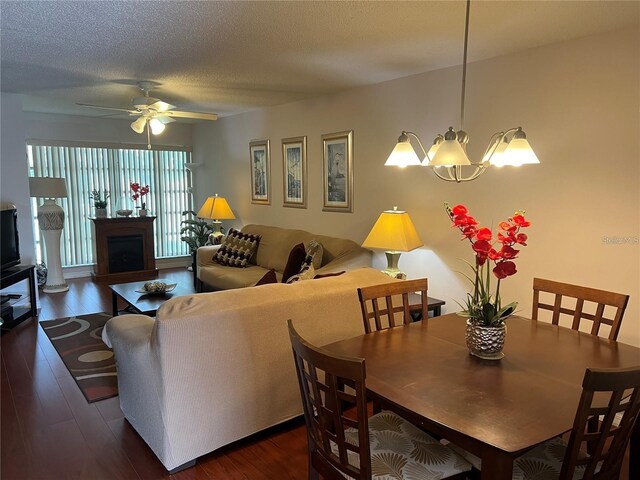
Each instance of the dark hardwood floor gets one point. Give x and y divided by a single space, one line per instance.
49 431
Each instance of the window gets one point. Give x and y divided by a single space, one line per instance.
112 168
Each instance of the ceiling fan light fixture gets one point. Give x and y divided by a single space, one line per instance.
157 127
138 125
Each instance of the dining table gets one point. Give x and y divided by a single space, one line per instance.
495 409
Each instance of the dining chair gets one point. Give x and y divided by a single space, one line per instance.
386 315
589 454
341 446
601 299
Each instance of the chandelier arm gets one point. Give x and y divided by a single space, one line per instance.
448 178
494 141
414 135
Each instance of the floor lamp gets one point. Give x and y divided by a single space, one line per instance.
51 221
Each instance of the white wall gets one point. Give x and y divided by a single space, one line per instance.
14 184
579 103
74 128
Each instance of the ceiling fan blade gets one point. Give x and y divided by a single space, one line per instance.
108 108
161 106
164 119
196 115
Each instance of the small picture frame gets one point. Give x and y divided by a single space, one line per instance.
294 168
260 171
337 162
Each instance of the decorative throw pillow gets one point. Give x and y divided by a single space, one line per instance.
269 277
325 275
237 249
316 251
297 255
307 274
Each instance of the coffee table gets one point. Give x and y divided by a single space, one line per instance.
144 303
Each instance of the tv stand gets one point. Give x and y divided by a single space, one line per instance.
18 311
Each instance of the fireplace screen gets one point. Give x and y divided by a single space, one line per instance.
125 253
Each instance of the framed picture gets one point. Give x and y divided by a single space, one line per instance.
294 167
260 171
337 162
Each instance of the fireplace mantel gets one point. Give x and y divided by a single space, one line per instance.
135 229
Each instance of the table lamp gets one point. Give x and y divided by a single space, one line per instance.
395 232
51 222
216 208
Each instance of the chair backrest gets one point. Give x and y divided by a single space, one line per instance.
386 315
322 378
601 299
607 445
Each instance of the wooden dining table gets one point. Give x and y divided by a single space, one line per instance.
496 410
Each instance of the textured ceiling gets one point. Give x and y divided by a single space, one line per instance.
229 57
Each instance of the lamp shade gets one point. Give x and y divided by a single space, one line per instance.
393 230
402 155
139 124
47 187
448 154
216 208
519 152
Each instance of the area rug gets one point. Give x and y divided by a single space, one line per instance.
91 363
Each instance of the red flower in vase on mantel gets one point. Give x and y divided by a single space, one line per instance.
497 251
138 192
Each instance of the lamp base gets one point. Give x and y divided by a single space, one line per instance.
392 269
55 288
215 238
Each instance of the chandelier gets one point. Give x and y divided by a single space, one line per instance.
447 155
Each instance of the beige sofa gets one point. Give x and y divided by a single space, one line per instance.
216 367
273 252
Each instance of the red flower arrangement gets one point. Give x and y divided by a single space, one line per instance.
139 192
481 307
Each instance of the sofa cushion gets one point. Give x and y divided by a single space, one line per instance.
269 277
237 249
219 277
296 258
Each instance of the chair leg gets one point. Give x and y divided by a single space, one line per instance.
313 473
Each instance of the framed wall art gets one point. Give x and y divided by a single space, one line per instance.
294 167
260 171
337 163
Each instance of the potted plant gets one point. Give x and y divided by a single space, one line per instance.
197 232
100 202
138 193
485 312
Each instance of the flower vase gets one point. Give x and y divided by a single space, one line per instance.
142 212
101 212
486 342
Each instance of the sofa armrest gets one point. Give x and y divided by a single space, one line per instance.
348 261
204 255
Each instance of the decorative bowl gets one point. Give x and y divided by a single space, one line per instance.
124 213
156 287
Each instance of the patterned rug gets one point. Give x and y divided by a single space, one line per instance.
91 363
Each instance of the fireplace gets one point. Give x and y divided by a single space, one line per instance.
124 249
125 253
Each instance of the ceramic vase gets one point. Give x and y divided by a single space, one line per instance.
101 212
486 342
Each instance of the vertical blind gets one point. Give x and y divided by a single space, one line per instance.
88 168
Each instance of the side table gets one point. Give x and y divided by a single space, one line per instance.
19 311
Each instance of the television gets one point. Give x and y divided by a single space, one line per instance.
10 245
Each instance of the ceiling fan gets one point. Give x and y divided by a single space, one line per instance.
153 114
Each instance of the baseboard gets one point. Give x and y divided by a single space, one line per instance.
84 271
